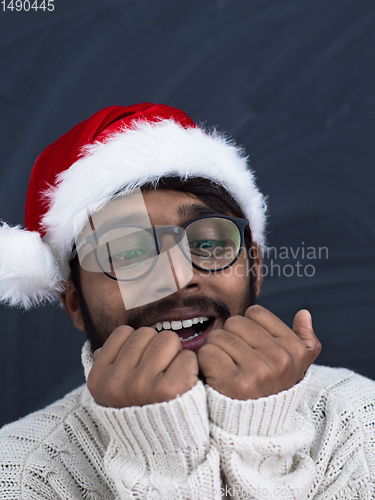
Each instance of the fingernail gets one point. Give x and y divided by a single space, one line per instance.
309 315
96 354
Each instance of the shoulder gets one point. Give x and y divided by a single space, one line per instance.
37 425
341 406
26 445
338 396
341 384
56 452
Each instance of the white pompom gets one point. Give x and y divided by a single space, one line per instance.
29 274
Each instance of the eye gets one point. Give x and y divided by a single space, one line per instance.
205 247
130 256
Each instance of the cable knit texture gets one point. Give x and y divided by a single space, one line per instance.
315 440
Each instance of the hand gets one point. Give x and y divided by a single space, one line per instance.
257 355
140 367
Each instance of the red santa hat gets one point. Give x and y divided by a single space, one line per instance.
117 149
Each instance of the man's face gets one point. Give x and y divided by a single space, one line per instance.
205 294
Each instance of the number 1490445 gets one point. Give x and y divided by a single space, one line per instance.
27 5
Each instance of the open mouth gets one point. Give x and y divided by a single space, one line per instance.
187 329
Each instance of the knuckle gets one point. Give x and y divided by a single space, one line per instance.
146 330
232 321
242 386
136 386
91 383
169 390
187 356
138 391
210 356
166 337
218 333
297 347
123 329
267 372
119 332
284 361
169 336
232 340
205 352
255 310
114 387
302 351
111 389
317 347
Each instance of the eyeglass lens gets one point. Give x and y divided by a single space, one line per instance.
129 252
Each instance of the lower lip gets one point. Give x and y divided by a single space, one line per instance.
196 343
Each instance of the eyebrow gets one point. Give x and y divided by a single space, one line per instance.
188 211
137 218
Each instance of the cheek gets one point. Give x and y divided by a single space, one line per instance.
102 296
232 284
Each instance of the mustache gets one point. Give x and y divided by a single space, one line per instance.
137 318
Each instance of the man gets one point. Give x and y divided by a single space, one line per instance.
150 230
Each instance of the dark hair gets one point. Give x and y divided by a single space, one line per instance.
214 195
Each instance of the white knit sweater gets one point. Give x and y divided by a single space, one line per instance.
315 440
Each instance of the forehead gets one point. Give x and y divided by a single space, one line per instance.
152 207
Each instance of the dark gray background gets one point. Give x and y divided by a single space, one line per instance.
293 81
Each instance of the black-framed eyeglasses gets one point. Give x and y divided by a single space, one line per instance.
128 252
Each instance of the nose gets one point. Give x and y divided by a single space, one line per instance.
175 248
171 273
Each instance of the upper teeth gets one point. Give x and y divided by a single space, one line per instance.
178 325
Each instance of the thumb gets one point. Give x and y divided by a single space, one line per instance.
96 354
303 328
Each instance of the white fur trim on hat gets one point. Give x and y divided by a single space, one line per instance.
143 154
29 274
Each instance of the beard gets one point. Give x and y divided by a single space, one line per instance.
97 332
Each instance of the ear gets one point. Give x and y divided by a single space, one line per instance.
70 301
257 267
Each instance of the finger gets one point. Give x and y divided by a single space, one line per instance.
250 332
239 351
303 328
108 353
282 334
247 345
269 321
213 360
184 370
160 352
96 354
132 350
